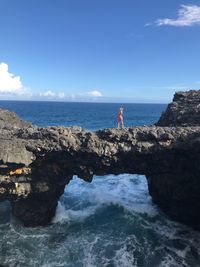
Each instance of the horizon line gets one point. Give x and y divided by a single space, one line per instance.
86 102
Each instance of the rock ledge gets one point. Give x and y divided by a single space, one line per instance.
37 163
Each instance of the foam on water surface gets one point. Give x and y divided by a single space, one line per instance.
110 222
126 191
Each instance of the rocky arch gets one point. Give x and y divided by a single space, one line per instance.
37 163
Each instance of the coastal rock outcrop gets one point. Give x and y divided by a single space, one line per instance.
183 111
37 163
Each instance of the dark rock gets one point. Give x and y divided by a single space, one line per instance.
10 120
183 111
37 163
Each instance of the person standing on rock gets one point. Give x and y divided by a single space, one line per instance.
120 118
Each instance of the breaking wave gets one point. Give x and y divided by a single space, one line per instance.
110 222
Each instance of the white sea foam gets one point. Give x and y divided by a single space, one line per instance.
170 261
127 191
90 257
128 239
124 258
63 215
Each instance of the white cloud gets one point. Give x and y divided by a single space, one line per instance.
48 93
95 93
89 94
9 83
11 87
51 94
84 96
61 94
188 15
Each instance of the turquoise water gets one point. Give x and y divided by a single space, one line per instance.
109 222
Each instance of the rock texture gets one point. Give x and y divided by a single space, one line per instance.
37 163
183 111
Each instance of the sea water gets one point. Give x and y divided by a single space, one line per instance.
110 222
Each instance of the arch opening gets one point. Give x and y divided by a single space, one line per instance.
80 200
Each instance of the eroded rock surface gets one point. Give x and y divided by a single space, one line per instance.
37 163
183 111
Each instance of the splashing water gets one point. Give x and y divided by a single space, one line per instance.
110 222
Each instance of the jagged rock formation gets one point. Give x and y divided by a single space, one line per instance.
183 111
37 163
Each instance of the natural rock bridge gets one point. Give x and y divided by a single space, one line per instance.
37 163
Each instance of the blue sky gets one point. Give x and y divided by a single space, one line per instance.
99 50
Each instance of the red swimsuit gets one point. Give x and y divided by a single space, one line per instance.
120 116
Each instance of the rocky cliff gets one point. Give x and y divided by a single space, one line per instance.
36 164
183 111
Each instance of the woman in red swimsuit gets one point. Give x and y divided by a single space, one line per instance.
120 118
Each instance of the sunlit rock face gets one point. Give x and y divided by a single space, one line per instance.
183 111
37 163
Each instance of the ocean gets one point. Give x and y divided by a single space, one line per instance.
110 222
